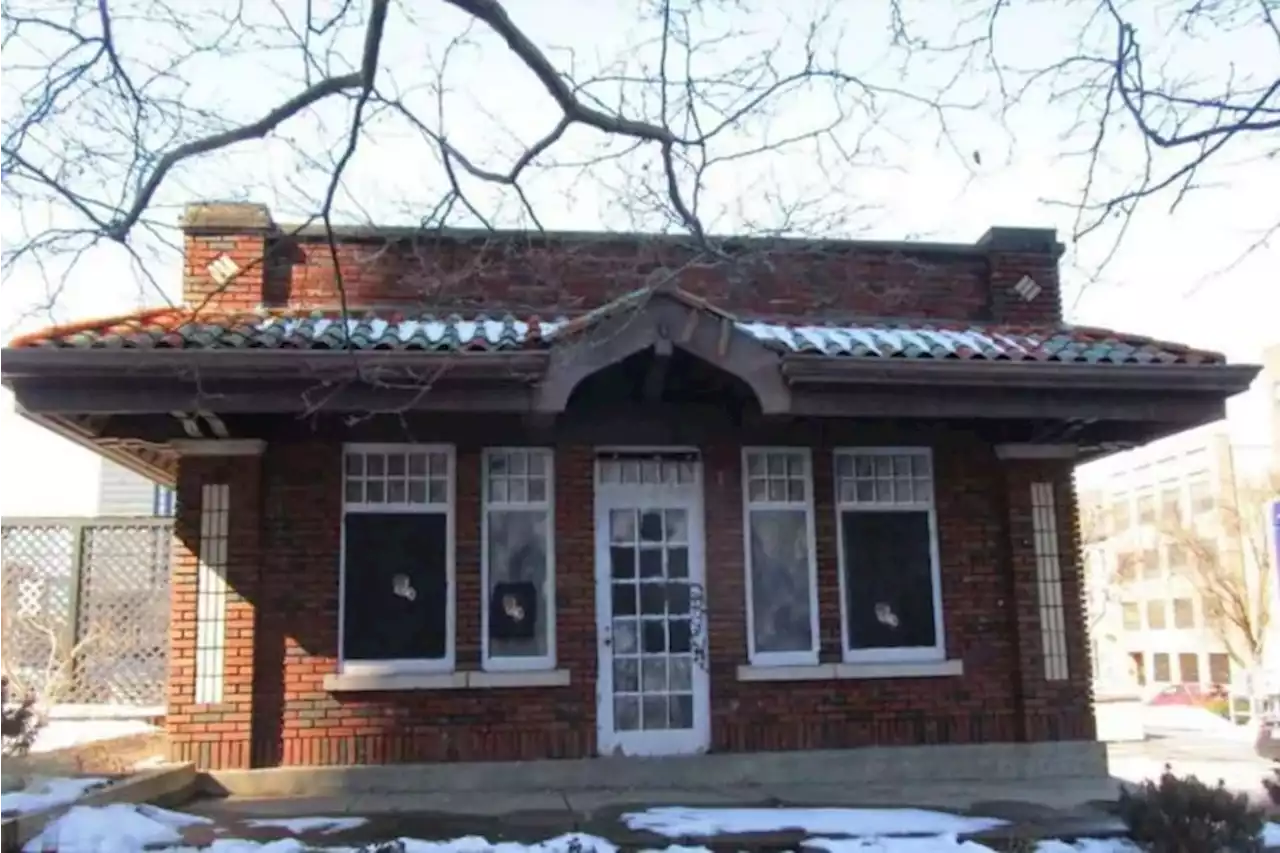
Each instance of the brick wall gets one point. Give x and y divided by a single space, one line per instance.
566 275
987 567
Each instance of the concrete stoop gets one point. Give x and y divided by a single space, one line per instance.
1038 763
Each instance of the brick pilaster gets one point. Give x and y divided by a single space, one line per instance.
1049 710
215 735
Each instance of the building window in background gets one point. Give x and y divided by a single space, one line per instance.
1130 617
1200 494
162 502
1139 667
1160 668
1146 508
1219 668
1120 514
1170 504
1151 564
1156 615
1189 668
1184 613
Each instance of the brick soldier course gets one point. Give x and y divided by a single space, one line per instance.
956 353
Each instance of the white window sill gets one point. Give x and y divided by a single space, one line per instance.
363 682
850 671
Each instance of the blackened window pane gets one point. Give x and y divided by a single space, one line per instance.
395 587
888 580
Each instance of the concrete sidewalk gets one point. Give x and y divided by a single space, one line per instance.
1065 808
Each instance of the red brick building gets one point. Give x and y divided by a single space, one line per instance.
512 496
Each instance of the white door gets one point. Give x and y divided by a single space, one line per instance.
652 690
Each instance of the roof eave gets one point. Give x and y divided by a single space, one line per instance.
49 362
1224 379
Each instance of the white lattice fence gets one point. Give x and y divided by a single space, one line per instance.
86 608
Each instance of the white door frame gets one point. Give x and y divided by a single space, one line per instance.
689 497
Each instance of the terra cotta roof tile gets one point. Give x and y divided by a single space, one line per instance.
326 330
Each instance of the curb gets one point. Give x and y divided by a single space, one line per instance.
168 785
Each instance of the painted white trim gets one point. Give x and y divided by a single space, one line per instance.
218 446
852 671
1037 451
796 658
937 652
357 682
384 668
519 664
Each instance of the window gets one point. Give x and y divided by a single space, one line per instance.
517 556
1160 668
891 600
517 560
1170 504
1120 514
162 501
397 585
1177 557
1146 508
1189 668
1139 667
1130 617
1207 555
1219 668
1155 615
1151 564
782 587
1201 495
1184 613
1127 566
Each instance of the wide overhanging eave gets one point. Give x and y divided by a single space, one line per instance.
512 365
1222 379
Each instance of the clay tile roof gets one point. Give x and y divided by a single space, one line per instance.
170 328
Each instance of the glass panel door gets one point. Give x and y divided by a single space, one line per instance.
653 681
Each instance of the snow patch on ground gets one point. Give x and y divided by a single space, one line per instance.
60 734
68 711
123 828
299 825
117 828
45 793
681 822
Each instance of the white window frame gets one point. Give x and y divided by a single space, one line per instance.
936 652
796 658
487 505
449 510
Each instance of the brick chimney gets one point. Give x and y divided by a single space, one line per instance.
226 245
1022 269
